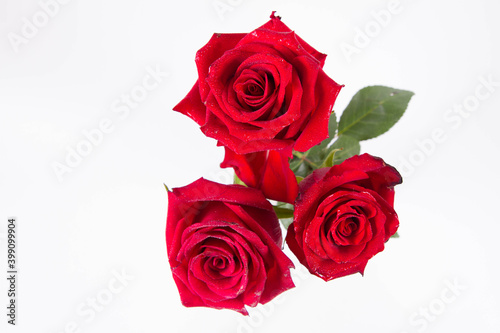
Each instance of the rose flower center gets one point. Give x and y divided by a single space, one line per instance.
347 227
254 88
218 262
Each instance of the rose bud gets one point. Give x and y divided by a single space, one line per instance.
224 246
265 90
343 216
268 171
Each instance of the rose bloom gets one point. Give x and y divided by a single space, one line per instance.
224 246
265 90
343 216
268 171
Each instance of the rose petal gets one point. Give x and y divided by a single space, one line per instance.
316 129
213 50
192 106
275 24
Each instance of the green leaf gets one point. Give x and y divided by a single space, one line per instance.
373 111
329 159
299 179
396 235
283 213
295 163
286 222
166 187
304 170
332 126
349 147
284 205
305 158
301 165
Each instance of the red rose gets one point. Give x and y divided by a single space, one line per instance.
268 171
265 90
224 246
343 216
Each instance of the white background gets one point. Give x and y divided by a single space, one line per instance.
107 216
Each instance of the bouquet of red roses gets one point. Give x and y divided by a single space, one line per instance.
265 98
